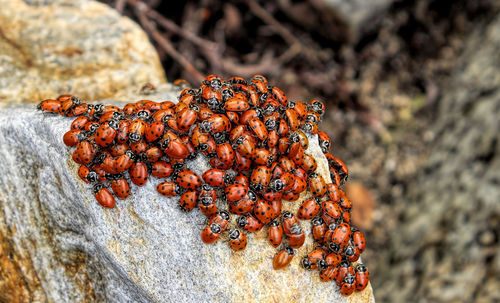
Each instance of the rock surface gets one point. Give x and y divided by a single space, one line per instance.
60 245
446 247
81 47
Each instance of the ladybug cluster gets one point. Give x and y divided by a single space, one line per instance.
255 140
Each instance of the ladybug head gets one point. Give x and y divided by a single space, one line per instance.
76 100
361 268
206 200
234 234
242 221
296 229
317 221
224 214
306 263
92 177
334 247
97 187
349 279
220 137
215 228
134 137
270 124
287 215
113 123
276 185
289 250
205 126
143 114
349 251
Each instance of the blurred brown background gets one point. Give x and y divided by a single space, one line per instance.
412 90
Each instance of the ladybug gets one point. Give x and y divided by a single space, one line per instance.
331 209
188 179
221 218
345 268
225 153
210 234
169 189
324 142
317 185
272 139
297 236
235 104
154 131
153 154
186 118
138 173
106 133
122 131
207 206
237 240
263 211
120 187
173 147
245 146
261 156
136 130
309 209
312 260
72 137
261 176
249 223
86 174
292 118
351 253
241 179
104 196
138 147
283 258
288 221
244 205
188 200
275 233
333 259
319 229
79 123
214 81
50 105
117 150
348 286
316 106
85 152
359 241
340 237
296 153
309 163
259 128
235 192
333 192
362 277
217 177
124 162
328 274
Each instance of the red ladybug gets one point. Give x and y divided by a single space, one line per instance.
328 274
50 105
79 123
122 131
154 131
309 209
244 205
331 209
217 177
275 233
188 200
138 173
221 218
210 234
288 221
153 154
317 185
348 286
340 237
345 268
312 260
333 192
237 240
283 258
207 206
86 174
104 196
259 128
261 176
249 223
362 277
136 130
235 104
235 192
297 236
309 164
351 253
124 162
225 153
359 241
169 189
263 211
319 229
72 137
120 187
188 179
85 151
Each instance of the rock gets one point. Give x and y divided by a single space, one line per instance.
62 246
445 248
359 15
81 47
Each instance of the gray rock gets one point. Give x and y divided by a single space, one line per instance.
67 248
81 47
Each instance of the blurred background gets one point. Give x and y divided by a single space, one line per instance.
413 95
412 89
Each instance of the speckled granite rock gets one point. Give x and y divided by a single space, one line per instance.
82 47
446 247
62 246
